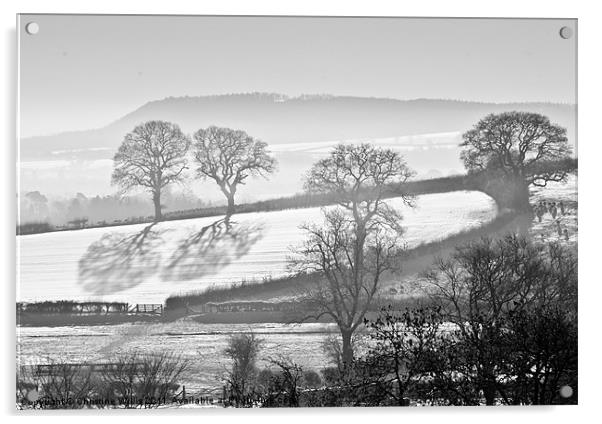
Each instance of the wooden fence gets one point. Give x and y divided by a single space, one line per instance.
147 308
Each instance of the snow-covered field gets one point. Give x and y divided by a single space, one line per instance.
201 344
147 263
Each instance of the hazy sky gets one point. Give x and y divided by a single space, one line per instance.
82 72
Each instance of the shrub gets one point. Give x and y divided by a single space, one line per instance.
135 379
241 379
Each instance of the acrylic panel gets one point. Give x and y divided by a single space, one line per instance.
238 211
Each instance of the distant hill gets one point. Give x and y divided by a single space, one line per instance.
278 119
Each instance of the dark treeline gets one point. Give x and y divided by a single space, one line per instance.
179 303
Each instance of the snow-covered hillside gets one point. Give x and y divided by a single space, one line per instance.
147 263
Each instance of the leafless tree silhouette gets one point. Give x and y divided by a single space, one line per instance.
360 239
152 156
401 351
229 157
520 146
134 377
242 350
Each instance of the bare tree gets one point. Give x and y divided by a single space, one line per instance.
241 379
152 156
402 350
544 355
519 145
286 384
481 286
136 378
34 207
61 384
360 239
229 157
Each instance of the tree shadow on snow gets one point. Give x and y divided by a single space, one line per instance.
118 261
207 250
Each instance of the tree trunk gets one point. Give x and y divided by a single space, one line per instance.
157 202
400 389
520 198
489 392
347 348
231 205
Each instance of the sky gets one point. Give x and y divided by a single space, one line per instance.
85 71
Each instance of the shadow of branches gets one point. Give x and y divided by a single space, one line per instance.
118 261
210 249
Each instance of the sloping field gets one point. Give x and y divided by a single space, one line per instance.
148 262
